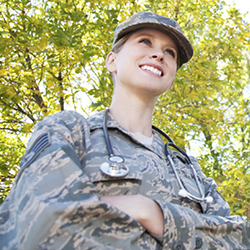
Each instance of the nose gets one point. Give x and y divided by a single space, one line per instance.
157 55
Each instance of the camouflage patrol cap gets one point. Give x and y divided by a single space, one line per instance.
149 20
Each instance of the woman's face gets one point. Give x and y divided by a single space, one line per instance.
146 63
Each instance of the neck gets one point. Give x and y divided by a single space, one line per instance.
133 113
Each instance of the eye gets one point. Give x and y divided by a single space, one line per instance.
171 52
145 41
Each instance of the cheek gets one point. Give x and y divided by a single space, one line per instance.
173 66
125 63
171 62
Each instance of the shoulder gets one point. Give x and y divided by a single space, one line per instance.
65 127
64 123
95 121
63 117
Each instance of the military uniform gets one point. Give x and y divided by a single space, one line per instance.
55 201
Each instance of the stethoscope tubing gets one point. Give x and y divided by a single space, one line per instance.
184 193
106 136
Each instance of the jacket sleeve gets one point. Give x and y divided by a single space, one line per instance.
214 228
53 204
188 229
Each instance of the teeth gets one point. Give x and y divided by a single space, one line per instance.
152 69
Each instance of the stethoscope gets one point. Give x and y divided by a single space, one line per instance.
115 167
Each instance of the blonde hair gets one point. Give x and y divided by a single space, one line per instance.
118 46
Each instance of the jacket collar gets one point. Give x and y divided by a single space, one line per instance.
96 122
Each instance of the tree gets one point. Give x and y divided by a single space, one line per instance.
53 58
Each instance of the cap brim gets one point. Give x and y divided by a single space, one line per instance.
184 46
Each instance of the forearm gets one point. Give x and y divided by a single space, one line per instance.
144 210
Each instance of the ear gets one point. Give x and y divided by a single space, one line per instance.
110 62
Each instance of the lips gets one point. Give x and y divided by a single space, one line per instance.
153 68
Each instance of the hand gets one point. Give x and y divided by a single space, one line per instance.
144 210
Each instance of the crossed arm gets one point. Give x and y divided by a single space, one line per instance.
144 210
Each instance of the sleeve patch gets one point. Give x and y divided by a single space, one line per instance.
38 146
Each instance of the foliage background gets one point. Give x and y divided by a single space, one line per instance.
52 57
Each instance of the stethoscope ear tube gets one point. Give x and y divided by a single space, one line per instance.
163 134
171 144
183 192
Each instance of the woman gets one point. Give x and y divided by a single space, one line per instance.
108 181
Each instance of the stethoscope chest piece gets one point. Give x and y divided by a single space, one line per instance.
114 166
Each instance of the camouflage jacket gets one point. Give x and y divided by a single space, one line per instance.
55 200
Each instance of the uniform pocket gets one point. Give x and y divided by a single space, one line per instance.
106 185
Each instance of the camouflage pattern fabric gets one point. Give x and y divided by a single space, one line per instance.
149 20
55 200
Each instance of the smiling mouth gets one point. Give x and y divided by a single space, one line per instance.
152 69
